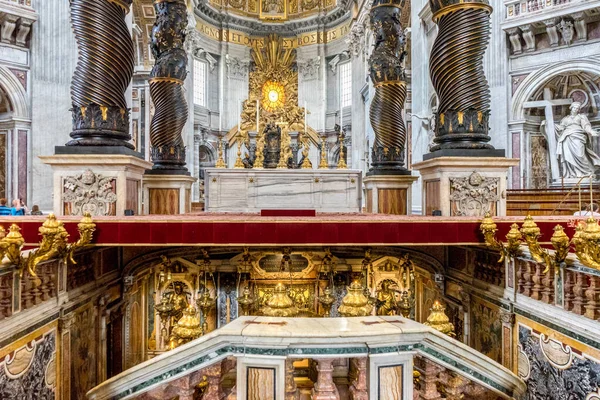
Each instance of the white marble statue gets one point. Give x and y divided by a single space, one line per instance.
574 145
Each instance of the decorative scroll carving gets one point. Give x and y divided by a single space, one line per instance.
474 196
309 69
103 73
90 192
356 39
387 73
166 87
456 67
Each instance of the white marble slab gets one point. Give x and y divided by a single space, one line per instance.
252 190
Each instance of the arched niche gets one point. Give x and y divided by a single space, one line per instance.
575 80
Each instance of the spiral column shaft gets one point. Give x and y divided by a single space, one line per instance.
166 87
456 68
103 73
387 74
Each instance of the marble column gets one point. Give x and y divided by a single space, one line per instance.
213 375
428 380
291 390
324 388
358 386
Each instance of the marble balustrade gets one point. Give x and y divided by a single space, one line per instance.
383 348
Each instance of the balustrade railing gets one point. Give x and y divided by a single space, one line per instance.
579 291
521 8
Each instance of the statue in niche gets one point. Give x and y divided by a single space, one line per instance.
179 299
574 145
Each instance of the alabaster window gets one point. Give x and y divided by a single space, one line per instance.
345 73
200 83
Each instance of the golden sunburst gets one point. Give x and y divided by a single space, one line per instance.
273 96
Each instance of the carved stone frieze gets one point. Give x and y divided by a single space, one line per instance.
475 195
90 192
236 68
309 69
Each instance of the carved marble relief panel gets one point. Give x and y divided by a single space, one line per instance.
474 195
486 328
555 367
28 371
89 192
84 333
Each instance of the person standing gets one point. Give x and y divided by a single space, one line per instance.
4 209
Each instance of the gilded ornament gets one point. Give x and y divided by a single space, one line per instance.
326 300
323 161
559 240
187 328
355 303
246 301
54 243
489 228
220 161
280 304
439 321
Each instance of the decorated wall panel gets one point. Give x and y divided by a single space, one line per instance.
28 367
554 366
84 345
486 328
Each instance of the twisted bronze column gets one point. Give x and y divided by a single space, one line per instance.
166 87
387 74
456 67
103 73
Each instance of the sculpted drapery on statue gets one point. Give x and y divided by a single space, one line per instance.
103 73
387 74
574 145
166 87
456 67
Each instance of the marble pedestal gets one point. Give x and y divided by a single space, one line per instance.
465 186
102 184
253 190
389 194
167 194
